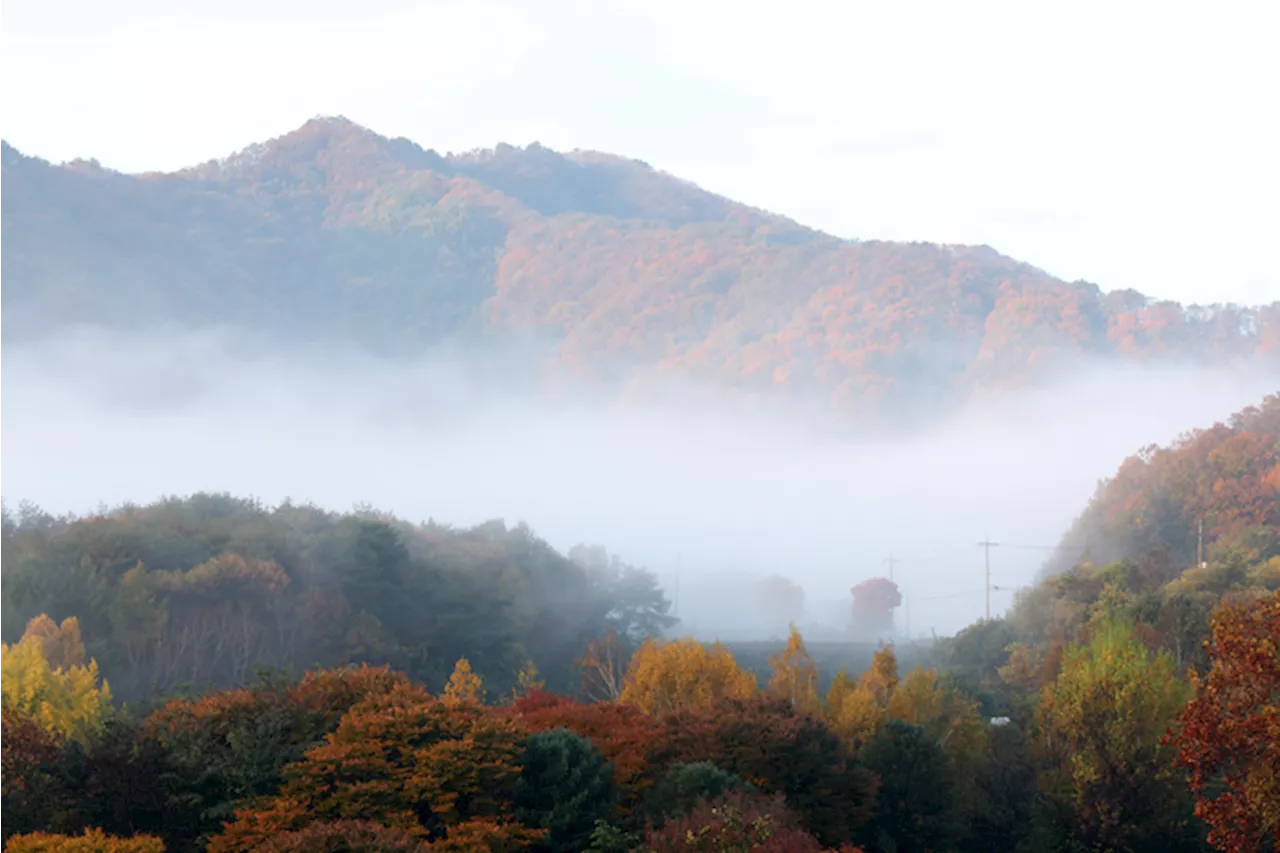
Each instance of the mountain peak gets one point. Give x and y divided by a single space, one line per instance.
329 127
335 144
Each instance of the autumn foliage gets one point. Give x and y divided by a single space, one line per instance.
27 769
47 680
1229 733
618 264
676 675
874 601
628 738
738 822
91 841
1093 717
439 771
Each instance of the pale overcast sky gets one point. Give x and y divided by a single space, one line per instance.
1130 144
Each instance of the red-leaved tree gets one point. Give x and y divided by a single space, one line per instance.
1229 737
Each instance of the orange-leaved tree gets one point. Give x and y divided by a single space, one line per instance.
92 841
233 745
1229 733
62 643
442 771
684 674
66 697
348 836
625 735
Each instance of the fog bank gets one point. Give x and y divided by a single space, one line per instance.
699 490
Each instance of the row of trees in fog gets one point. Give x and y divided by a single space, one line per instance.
197 593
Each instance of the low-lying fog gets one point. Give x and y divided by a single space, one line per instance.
703 490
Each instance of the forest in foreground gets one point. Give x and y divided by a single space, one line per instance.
209 674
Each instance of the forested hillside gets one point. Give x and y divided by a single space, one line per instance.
199 592
1136 550
621 273
1218 487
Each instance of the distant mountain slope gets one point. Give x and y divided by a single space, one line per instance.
333 233
1217 487
1135 552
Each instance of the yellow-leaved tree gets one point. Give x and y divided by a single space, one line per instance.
795 675
464 685
527 680
882 677
948 717
851 710
68 701
855 710
1100 727
945 714
684 674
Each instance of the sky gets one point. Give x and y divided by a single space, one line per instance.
1132 145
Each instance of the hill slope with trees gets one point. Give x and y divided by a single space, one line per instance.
1176 533
199 592
620 273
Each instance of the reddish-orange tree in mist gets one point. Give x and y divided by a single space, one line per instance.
873 604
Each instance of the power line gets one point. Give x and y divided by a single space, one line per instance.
945 555
952 595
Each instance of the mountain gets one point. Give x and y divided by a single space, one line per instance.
1209 497
621 273
1178 531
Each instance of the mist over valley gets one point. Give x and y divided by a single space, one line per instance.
710 492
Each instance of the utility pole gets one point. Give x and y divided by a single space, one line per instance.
986 545
892 561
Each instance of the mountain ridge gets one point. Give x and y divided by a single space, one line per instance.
334 233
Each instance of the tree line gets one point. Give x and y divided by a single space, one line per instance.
683 751
195 593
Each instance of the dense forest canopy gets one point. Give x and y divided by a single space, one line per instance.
612 270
